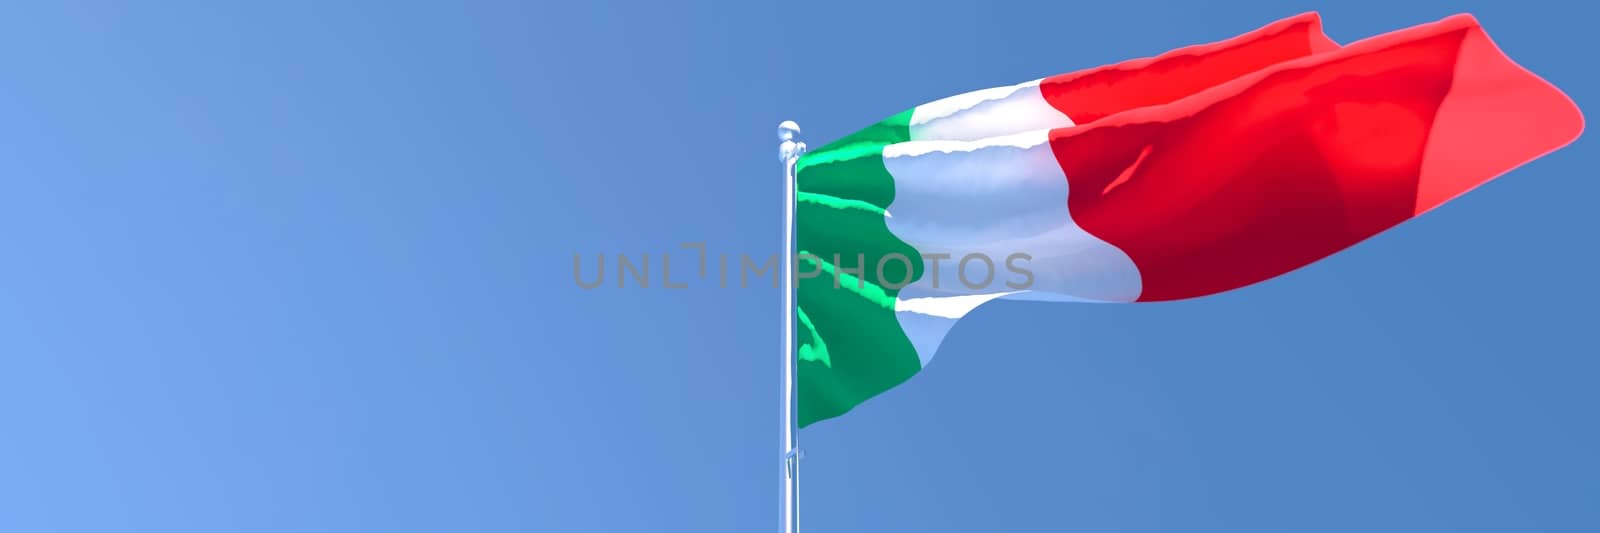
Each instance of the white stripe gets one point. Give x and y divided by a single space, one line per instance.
993 198
945 306
986 113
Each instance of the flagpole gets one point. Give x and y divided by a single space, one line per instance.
789 150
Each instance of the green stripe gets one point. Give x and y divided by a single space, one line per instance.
850 346
811 346
867 290
852 167
838 203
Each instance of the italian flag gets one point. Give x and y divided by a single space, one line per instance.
1202 170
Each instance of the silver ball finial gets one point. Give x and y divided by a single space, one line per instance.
790 148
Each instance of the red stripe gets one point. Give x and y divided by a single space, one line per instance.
1089 95
1274 170
1527 116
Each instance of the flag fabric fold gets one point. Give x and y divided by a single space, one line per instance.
1198 171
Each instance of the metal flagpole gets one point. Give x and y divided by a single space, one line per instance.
789 150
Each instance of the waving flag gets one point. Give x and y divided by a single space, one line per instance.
1202 170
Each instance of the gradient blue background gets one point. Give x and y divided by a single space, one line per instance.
307 266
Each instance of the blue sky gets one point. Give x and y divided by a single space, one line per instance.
307 267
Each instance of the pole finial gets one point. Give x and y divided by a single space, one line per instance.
788 130
790 146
